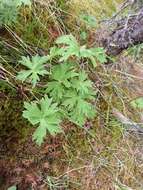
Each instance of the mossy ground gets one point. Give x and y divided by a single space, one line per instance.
101 157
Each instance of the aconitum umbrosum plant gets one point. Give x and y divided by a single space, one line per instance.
68 92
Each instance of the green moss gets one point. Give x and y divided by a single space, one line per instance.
11 122
62 4
33 30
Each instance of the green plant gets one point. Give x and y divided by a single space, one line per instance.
9 10
72 48
83 35
137 103
68 93
46 114
72 90
60 80
76 100
89 20
8 13
36 66
79 109
136 50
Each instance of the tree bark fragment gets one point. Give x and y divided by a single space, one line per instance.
129 32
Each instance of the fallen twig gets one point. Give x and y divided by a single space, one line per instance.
131 125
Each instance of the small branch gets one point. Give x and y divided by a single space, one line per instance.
131 125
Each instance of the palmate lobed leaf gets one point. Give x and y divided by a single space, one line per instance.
55 51
33 62
56 90
79 109
39 134
85 108
74 99
79 119
100 54
68 40
70 99
94 54
49 124
63 72
47 107
23 75
81 112
61 76
32 112
71 47
82 84
36 66
46 114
